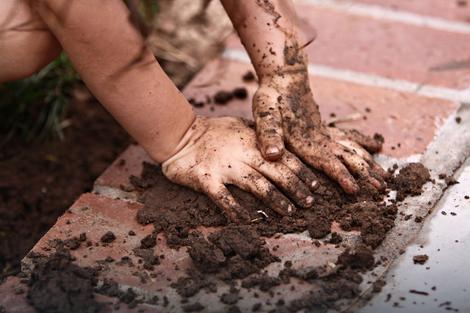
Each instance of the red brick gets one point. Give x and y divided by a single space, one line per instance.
403 118
388 49
447 9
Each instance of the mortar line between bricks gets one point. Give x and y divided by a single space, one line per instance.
382 13
372 80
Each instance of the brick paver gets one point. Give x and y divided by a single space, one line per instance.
392 50
458 10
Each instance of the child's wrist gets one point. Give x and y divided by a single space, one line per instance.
168 146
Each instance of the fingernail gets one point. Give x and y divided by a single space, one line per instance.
309 200
314 184
290 208
272 151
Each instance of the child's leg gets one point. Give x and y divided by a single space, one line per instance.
26 44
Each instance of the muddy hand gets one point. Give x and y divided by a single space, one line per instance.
220 151
285 113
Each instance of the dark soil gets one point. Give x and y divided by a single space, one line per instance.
57 285
108 237
40 181
239 251
223 97
420 259
410 180
249 77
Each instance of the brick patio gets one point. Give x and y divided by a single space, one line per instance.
392 75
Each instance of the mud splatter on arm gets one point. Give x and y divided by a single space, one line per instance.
269 33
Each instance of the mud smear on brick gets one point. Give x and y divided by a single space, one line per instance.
238 252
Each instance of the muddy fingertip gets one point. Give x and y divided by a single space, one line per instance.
314 185
273 153
350 187
309 201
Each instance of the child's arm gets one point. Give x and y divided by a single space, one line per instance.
111 57
201 153
284 110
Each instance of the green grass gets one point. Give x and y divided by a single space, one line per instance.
35 107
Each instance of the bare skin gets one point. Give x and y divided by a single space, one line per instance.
284 109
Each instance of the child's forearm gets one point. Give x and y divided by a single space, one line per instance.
268 31
111 58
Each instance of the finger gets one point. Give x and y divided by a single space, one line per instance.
268 122
370 144
360 167
300 169
287 181
332 167
224 200
376 168
255 183
356 148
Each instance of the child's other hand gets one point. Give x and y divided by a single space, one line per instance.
220 151
286 113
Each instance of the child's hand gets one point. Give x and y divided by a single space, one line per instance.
285 112
220 151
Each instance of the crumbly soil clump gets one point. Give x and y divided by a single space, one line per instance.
410 180
57 285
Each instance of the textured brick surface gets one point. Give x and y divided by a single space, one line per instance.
448 9
408 122
384 48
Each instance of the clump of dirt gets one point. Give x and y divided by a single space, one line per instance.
223 97
410 180
58 285
108 237
420 259
243 249
249 76
362 257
